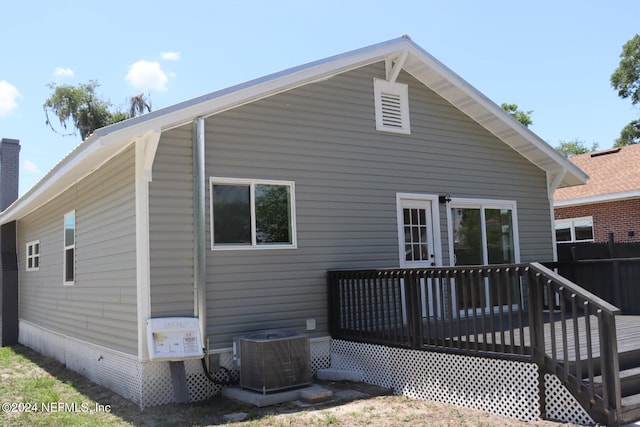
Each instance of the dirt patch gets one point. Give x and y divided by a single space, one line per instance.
352 404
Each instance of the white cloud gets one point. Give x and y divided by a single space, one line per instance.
8 98
63 72
30 167
170 56
147 76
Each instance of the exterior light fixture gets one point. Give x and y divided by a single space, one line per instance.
444 198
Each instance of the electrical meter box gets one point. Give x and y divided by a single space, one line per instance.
174 338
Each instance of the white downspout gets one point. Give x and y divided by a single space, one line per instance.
199 243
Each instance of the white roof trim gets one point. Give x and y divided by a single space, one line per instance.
109 141
602 198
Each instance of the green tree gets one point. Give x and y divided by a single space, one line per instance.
572 148
626 80
82 109
523 117
630 134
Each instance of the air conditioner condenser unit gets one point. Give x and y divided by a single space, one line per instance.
274 360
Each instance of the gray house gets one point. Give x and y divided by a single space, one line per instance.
228 209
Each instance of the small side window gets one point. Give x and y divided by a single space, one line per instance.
69 248
33 256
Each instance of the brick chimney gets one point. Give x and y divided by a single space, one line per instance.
9 170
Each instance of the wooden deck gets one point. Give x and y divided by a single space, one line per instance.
627 333
522 312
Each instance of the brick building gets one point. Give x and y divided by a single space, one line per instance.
608 203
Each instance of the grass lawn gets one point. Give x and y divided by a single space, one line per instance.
38 391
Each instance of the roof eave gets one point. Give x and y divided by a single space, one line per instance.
108 141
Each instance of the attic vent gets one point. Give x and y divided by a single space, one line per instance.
605 152
392 106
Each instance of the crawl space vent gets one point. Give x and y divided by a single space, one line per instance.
274 360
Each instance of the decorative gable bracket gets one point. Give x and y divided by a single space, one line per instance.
393 66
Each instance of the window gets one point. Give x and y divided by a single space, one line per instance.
69 248
483 232
574 230
392 106
33 255
252 214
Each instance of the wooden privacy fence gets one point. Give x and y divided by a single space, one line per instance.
523 311
616 280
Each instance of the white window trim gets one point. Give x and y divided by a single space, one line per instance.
67 247
572 228
435 224
35 255
253 245
400 90
483 204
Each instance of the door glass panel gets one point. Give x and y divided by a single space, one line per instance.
467 237
415 234
499 228
500 250
483 236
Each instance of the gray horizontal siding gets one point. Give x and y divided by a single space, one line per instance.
101 307
322 136
171 226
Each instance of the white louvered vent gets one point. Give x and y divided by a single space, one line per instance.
392 106
391 110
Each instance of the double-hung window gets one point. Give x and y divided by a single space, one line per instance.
69 248
252 214
33 255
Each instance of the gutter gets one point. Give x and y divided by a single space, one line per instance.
199 244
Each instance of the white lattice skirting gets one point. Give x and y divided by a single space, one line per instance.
501 387
145 383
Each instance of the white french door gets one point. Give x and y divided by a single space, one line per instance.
417 215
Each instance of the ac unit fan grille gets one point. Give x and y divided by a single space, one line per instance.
275 364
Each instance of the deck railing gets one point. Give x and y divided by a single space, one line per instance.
523 311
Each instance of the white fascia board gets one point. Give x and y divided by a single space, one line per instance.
106 142
492 117
602 198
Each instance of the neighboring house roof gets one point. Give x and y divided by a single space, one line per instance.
613 175
109 141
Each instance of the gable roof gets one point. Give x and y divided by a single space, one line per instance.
613 175
106 142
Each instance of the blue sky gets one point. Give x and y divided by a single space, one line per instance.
552 57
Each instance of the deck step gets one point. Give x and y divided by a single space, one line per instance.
629 383
629 359
630 409
626 361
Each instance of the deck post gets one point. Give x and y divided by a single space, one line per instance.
536 319
414 318
610 366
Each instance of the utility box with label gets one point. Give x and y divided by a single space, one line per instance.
174 338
